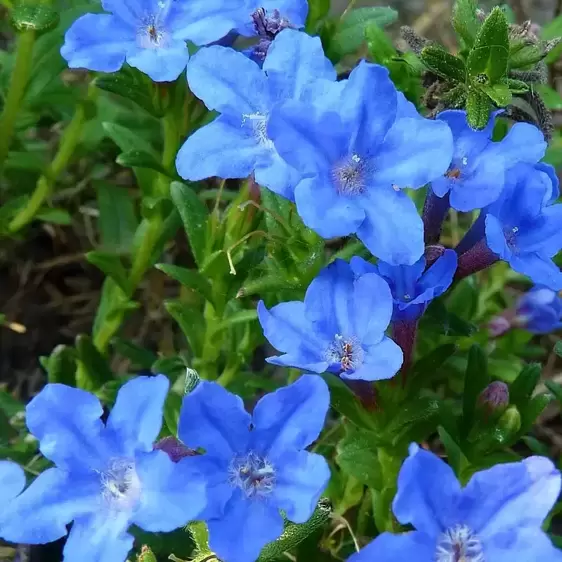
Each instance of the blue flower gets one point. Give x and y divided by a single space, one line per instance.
256 465
479 167
540 310
355 155
338 328
497 517
211 20
12 482
412 286
523 229
236 143
106 477
148 34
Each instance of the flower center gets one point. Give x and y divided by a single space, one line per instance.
346 353
258 124
152 33
455 172
253 474
459 544
349 175
120 483
510 234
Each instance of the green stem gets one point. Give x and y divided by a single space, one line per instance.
46 182
229 373
18 83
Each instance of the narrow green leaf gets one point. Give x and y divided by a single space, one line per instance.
139 356
524 385
140 159
112 266
61 365
551 98
55 216
172 408
465 22
379 44
475 381
189 278
490 53
477 109
131 87
96 367
118 221
442 63
239 317
317 11
498 93
428 365
190 321
455 455
527 56
194 216
517 86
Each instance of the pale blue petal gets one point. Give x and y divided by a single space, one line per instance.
99 538
274 173
360 266
12 481
439 276
228 82
294 60
324 210
303 360
246 527
290 418
427 493
523 143
393 229
136 418
414 153
130 11
541 269
214 419
67 423
300 479
529 545
222 148
545 236
161 64
54 499
97 42
397 548
382 361
172 494
495 238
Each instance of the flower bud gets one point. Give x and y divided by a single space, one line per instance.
146 555
174 448
494 399
509 423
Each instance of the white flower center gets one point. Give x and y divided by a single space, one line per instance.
258 124
121 487
346 351
459 544
349 175
253 474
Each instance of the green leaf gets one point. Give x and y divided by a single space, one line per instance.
350 31
39 18
517 86
194 216
449 324
95 365
442 63
533 409
238 317
428 365
475 381
190 321
118 221
357 456
112 266
172 408
54 216
61 365
465 22
527 56
490 53
139 356
522 388
344 401
140 159
379 44
551 98
317 11
558 348
477 109
455 455
294 534
498 93
189 278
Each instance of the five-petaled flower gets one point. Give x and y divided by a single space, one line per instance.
256 465
496 517
339 327
356 151
539 310
107 476
149 34
236 143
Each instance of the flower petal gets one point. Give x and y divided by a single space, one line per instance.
523 143
12 481
67 423
495 238
293 10
527 493
529 544
222 148
52 501
99 538
290 418
427 492
392 229
246 527
545 236
439 276
541 269
172 494
228 82
397 548
414 153
129 10
277 175
293 60
163 64
382 361
97 42
300 479
214 419
136 417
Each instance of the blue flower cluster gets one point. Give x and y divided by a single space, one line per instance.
110 476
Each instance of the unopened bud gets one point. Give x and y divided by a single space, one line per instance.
500 324
510 422
174 448
146 555
494 399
